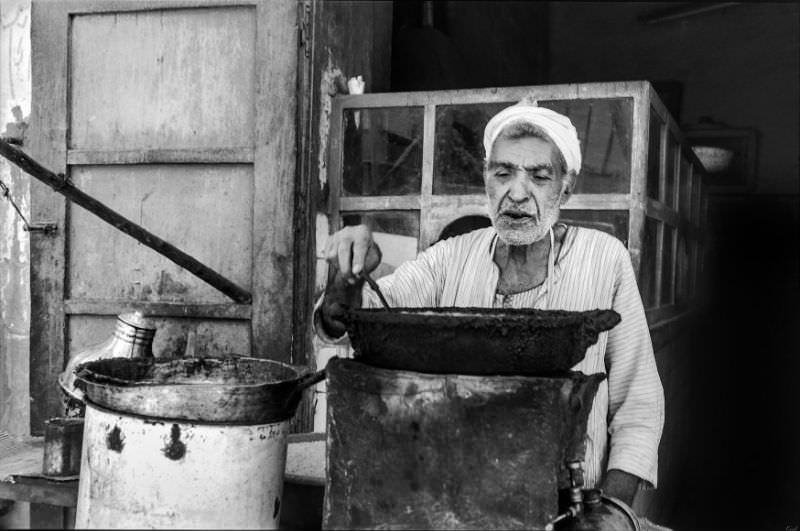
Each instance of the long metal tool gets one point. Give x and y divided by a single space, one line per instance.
142 235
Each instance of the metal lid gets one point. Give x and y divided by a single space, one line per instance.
137 320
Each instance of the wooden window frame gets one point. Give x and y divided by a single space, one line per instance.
431 208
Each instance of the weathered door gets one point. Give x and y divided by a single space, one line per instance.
181 116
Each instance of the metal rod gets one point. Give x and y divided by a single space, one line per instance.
684 11
140 234
377 289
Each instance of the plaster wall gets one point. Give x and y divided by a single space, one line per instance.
350 38
15 105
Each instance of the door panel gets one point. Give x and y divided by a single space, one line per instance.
179 114
169 78
208 208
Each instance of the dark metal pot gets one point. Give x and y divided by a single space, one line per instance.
601 513
235 390
477 341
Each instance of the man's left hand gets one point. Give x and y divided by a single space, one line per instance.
621 485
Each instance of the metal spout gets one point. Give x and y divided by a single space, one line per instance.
132 338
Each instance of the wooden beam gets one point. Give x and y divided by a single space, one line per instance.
158 309
404 202
161 156
40 490
683 11
63 186
660 211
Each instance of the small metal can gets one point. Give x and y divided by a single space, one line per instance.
63 438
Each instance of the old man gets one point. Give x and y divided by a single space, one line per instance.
527 259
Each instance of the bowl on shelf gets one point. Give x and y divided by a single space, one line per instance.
714 159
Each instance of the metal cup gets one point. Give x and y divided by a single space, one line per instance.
63 437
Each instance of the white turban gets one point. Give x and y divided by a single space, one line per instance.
556 126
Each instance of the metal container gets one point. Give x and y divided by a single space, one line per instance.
477 341
234 390
409 450
139 472
132 338
186 443
62 448
601 513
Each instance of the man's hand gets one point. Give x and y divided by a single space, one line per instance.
349 252
621 485
353 250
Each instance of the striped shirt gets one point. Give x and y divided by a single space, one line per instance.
593 270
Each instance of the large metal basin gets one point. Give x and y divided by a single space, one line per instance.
235 390
477 341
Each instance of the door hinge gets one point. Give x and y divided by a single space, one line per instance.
305 27
42 226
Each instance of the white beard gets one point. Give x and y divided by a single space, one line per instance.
531 232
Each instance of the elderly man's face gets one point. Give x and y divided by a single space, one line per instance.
524 188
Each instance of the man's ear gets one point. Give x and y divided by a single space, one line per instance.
567 186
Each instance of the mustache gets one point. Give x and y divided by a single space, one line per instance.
517 212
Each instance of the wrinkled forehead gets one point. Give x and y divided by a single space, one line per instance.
523 150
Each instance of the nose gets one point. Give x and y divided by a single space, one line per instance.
517 190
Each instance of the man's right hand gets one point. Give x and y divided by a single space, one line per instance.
349 252
352 250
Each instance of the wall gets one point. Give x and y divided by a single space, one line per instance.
15 105
469 44
730 383
738 65
349 39
15 93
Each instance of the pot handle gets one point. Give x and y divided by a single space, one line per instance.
302 383
310 379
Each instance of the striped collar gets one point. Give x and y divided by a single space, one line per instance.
566 245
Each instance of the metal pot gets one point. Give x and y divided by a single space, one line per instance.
132 338
601 513
235 390
476 341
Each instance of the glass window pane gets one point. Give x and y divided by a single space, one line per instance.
395 231
647 267
694 264
682 281
458 156
667 266
382 151
613 222
654 155
696 194
671 168
604 129
685 201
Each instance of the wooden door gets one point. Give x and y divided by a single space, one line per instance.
180 115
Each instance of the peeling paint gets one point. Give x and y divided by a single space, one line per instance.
321 273
15 103
331 80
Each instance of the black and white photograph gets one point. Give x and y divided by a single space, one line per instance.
399 264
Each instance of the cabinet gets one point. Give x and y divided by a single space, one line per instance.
410 165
